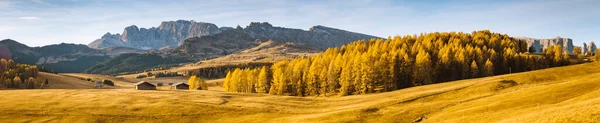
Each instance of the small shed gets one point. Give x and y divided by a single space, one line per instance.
99 84
143 85
181 86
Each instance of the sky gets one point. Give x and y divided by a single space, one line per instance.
44 22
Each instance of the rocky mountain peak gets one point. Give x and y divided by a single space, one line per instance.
259 25
591 46
106 35
169 33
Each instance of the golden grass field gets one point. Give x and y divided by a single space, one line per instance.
564 94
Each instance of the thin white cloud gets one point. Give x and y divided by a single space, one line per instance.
41 2
4 4
29 18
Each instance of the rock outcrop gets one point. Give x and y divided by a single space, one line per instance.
566 43
592 47
169 33
584 48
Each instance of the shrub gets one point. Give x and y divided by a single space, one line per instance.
108 82
88 79
141 76
159 84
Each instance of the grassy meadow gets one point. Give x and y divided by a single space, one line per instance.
562 94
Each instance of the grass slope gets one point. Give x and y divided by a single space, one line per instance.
59 81
564 94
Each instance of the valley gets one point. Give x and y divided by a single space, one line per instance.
536 96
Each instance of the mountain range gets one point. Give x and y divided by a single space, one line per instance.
182 41
59 57
174 33
169 33
204 40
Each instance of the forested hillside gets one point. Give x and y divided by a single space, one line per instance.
18 76
380 65
133 62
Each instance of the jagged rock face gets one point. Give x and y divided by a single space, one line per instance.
566 43
584 48
169 33
592 47
239 39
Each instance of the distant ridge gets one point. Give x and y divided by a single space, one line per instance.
60 57
174 33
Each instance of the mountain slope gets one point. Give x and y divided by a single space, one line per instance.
134 62
233 41
563 94
59 57
239 39
62 57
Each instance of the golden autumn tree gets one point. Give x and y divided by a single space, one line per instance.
577 51
379 65
474 70
226 81
279 84
197 83
263 80
423 71
488 69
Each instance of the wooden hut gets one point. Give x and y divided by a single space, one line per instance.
181 86
143 85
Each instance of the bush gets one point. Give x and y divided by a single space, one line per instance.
88 79
159 84
141 76
166 74
108 82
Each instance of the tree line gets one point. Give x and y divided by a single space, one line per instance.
220 71
19 76
380 65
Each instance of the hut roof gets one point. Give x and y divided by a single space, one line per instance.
179 83
142 82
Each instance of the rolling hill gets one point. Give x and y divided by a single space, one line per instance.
562 94
61 57
190 41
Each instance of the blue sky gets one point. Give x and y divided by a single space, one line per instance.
43 22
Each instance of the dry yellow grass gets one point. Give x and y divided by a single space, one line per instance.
59 81
565 94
